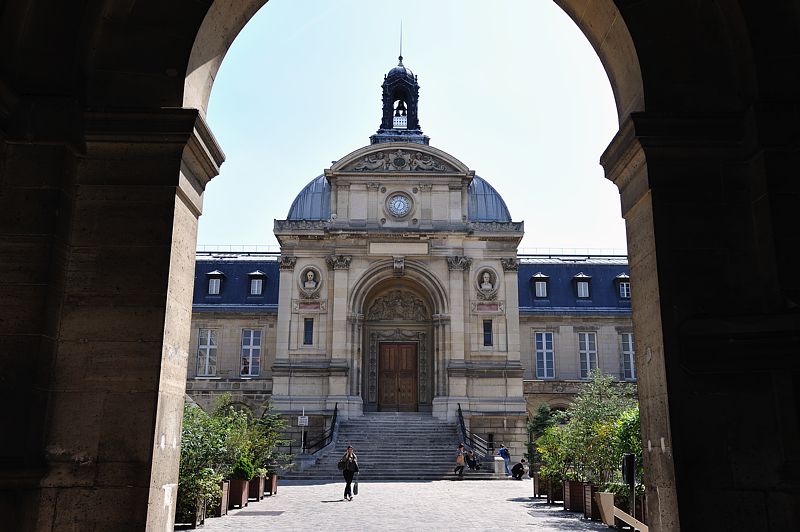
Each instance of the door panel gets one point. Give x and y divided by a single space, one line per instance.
397 384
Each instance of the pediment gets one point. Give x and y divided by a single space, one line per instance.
399 157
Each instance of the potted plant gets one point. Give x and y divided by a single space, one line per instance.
257 484
241 474
272 482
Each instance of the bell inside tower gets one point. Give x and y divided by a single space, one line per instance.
400 118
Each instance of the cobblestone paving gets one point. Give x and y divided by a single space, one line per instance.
384 506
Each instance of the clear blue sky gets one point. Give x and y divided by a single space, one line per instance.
512 88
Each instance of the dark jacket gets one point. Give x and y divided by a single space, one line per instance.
350 463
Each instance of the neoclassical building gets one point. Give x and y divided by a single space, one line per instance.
398 288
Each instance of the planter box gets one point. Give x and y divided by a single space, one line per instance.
238 494
222 509
554 490
573 496
590 508
256 491
190 518
539 487
271 485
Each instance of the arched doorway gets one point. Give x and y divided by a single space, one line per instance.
397 345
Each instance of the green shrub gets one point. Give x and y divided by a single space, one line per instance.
243 470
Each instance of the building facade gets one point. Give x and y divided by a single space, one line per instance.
398 288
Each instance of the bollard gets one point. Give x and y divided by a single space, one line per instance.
499 467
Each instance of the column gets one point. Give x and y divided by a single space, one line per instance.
104 315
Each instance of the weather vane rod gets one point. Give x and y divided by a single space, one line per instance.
401 42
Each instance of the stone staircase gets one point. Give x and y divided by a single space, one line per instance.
394 446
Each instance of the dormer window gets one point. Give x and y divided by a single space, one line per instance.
623 282
583 285
540 285
214 282
257 282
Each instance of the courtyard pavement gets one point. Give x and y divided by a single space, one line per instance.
384 506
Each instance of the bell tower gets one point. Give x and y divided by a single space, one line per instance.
400 121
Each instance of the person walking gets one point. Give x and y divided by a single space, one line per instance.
459 470
506 456
348 465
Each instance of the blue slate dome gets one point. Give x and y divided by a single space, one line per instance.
485 203
314 202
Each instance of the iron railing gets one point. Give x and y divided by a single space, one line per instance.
327 436
472 441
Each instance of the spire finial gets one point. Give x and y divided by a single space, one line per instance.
401 44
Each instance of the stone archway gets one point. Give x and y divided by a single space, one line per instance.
92 140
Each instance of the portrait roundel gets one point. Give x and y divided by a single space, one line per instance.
310 280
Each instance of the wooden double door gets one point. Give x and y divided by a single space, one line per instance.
397 377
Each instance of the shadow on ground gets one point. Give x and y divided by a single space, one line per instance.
554 517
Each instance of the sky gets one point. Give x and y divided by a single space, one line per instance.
512 89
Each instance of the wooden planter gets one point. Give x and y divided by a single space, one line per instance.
590 508
238 494
539 487
256 491
271 485
573 496
222 509
186 519
554 490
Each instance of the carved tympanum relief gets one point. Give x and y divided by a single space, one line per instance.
398 305
398 160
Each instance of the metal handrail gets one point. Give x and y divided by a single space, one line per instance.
471 440
327 436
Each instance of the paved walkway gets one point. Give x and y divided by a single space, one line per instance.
384 506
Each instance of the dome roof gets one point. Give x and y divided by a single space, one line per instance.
485 204
314 202
400 70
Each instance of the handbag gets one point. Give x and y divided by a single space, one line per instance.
340 465
355 485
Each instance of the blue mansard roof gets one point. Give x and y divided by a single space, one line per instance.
604 273
235 271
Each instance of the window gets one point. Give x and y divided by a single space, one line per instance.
207 353
540 281
256 286
251 353
308 331
626 350
582 285
583 288
541 288
625 289
587 353
213 286
487 333
544 355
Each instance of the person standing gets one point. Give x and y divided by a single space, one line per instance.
459 470
506 456
348 465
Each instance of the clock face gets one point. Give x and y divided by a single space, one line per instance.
399 205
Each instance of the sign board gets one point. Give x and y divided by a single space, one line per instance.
302 421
